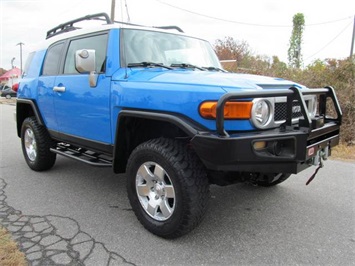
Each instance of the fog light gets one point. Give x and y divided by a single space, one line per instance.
259 145
274 148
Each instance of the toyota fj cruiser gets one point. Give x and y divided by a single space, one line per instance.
156 104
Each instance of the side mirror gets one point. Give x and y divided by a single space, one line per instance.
85 62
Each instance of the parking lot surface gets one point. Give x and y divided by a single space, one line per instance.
75 214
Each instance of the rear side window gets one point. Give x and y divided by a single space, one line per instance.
28 63
52 61
97 43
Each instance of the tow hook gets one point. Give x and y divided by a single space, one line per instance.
317 161
321 154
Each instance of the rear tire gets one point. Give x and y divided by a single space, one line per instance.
167 187
36 144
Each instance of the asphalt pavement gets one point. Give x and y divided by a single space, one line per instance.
76 214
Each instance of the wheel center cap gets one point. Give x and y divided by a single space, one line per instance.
159 189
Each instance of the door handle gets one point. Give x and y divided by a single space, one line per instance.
59 89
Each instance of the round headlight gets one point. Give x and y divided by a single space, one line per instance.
261 113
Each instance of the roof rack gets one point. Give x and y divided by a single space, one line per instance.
156 27
170 28
69 26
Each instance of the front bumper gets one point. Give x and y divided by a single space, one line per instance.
288 149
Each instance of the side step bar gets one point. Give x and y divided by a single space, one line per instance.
83 155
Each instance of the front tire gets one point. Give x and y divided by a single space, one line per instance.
167 187
36 144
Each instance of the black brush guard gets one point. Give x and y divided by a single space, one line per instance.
290 148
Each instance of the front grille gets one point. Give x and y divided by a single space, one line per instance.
281 111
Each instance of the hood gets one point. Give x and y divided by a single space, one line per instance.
227 81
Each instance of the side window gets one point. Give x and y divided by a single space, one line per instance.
97 43
28 63
52 61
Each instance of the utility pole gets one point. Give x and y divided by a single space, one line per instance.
20 43
12 62
113 5
128 18
352 41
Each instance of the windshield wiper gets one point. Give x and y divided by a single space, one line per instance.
212 68
148 64
183 65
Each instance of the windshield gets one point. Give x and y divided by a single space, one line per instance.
167 49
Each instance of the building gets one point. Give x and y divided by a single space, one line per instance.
11 77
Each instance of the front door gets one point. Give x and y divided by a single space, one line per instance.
83 112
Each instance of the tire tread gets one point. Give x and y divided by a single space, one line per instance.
45 158
192 176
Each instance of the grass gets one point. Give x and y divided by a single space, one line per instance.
343 152
9 252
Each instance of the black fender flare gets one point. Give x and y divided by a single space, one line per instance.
188 126
22 112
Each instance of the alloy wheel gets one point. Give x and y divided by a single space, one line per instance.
155 191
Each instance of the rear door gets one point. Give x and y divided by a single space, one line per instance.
45 99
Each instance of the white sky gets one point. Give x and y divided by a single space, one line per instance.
27 21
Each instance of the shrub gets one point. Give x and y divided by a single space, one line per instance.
331 72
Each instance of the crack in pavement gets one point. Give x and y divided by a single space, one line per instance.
54 240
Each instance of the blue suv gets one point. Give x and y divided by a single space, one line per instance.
156 104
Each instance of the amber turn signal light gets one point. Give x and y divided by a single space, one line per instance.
259 145
232 110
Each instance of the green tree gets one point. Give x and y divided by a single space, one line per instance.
294 51
278 68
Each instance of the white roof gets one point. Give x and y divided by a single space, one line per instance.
105 27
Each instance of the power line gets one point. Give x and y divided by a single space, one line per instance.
247 23
328 22
329 42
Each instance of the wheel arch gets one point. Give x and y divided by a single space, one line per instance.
26 108
135 127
